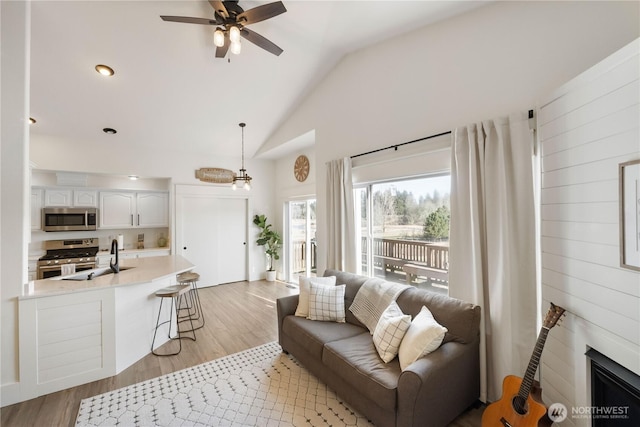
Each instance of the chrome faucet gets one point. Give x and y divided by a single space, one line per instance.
114 250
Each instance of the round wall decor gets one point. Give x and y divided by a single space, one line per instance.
301 168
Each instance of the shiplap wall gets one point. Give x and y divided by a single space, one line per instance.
587 128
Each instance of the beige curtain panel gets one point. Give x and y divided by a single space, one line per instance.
341 245
493 241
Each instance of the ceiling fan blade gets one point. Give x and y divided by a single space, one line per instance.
260 13
188 20
220 8
221 51
260 41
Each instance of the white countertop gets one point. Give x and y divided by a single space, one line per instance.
141 270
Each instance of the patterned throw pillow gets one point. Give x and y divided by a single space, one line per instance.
303 298
326 303
389 332
424 336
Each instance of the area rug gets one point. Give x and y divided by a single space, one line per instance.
261 386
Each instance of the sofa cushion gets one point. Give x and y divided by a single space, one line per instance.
353 282
424 336
304 282
326 303
356 360
389 332
313 335
462 319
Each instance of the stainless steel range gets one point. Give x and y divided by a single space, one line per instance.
79 252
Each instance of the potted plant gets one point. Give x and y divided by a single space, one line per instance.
271 241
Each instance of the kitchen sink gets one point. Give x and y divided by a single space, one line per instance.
93 273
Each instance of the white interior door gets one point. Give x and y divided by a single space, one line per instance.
232 240
211 233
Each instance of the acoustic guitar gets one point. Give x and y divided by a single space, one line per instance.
521 403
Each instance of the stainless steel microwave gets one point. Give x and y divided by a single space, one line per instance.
69 219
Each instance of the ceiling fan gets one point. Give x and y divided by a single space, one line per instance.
232 20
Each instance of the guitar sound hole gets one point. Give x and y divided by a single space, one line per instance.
520 405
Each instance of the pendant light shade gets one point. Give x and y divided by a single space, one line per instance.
242 176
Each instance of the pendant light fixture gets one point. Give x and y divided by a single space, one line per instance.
242 176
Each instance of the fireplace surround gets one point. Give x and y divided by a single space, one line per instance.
615 393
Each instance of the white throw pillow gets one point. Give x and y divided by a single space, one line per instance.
303 298
326 302
389 331
423 336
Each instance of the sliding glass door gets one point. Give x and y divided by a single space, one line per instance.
404 230
301 239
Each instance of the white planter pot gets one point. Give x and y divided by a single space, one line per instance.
271 276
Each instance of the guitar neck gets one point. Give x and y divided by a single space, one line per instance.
527 381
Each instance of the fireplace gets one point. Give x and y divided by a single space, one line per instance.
615 393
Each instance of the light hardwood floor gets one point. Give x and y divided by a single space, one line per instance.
238 316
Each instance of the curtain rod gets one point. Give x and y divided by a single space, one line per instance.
395 146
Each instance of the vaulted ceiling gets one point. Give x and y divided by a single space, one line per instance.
169 90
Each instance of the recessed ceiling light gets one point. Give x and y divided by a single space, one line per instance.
133 177
105 70
110 131
31 120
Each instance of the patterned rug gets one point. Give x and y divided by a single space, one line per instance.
258 387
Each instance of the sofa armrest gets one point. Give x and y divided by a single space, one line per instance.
285 306
438 387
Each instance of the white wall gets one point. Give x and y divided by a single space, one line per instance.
486 63
588 127
14 179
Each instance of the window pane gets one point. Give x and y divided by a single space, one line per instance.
410 231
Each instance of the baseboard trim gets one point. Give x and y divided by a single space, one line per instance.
10 394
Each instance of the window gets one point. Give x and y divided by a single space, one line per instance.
404 230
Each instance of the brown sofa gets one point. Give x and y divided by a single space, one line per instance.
432 391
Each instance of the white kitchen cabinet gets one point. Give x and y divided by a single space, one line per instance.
36 209
54 197
85 198
117 209
152 210
134 210
58 198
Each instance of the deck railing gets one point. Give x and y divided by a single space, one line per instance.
299 260
396 252
389 255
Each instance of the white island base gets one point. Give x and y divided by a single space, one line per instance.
75 332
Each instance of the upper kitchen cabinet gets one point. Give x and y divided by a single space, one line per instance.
54 197
117 209
134 210
85 198
153 209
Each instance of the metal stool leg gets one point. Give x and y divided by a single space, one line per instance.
178 295
158 324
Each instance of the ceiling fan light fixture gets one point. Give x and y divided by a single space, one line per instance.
218 37
236 48
234 34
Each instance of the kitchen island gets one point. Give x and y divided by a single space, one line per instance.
76 331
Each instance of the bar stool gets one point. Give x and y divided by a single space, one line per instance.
178 295
190 279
